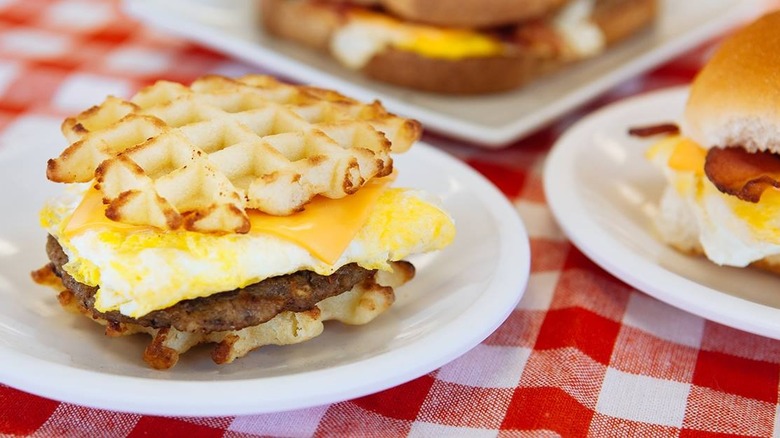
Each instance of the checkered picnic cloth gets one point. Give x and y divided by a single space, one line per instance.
582 354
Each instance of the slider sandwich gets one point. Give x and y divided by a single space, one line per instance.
454 46
236 212
723 167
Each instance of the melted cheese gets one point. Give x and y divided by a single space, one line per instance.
696 214
761 216
342 218
685 155
449 44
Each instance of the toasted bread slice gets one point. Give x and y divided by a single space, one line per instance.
449 61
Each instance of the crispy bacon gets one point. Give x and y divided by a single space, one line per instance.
737 172
651 130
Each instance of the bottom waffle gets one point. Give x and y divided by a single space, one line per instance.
360 305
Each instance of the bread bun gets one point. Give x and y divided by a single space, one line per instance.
735 98
470 13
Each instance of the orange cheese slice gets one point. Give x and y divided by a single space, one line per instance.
685 155
431 41
688 156
325 228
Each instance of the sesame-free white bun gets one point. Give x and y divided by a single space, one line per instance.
735 98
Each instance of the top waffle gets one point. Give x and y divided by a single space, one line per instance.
196 157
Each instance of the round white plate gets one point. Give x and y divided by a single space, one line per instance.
459 296
604 194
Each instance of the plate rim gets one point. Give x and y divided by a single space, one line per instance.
490 137
585 230
511 274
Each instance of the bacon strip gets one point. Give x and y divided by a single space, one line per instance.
651 130
737 172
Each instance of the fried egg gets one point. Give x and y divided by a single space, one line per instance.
367 33
695 214
140 269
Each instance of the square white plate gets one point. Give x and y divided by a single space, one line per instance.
230 26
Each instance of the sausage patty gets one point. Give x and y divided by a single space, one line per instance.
232 310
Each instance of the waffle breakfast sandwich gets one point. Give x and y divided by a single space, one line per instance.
236 212
723 166
457 47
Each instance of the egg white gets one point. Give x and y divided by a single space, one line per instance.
144 271
695 215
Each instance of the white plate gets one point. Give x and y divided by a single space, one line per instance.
493 120
604 194
459 296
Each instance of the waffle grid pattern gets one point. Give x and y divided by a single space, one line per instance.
197 157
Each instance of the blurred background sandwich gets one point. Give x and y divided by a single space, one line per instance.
457 47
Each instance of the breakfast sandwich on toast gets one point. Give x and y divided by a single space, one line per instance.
457 47
723 166
237 212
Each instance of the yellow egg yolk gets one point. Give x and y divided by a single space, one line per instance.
685 155
434 42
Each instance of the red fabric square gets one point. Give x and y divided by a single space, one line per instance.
548 255
453 404
118 32
509 181
23 12
30 412
640 353
547 409
386 403
537 142
153 426
578 260
736 375
592 334
718 412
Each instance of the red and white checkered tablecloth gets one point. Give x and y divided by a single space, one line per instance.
582 354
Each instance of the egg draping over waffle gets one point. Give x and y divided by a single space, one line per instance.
202 213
